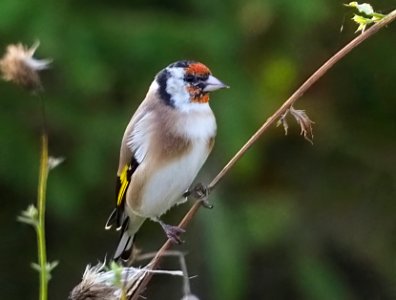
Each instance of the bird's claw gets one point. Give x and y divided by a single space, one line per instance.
200 193
207 204
173 233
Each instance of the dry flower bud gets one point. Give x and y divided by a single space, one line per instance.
305 123
19 66
302 119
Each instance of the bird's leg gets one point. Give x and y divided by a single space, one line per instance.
200 193
172 232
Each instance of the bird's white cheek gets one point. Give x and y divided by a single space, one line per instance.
177 90
176 87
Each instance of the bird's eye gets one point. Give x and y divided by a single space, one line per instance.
190 78
202 78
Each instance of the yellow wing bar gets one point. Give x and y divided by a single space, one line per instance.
124 184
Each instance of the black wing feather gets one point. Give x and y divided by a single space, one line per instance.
118 216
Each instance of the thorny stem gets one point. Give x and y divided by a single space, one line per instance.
271 120
41 199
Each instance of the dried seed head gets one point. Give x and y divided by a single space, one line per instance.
305 123
19 66
302 119
101 284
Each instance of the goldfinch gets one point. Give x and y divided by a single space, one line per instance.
163 148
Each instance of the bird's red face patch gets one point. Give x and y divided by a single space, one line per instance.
197 95
198 69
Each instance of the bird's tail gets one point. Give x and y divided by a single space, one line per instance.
125 243
130 226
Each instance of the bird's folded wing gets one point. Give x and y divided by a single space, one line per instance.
117 216
133 151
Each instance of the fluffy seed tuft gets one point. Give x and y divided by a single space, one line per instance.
18 66
114 284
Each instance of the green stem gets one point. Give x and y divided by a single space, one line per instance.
41 197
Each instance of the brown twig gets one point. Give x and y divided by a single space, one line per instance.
272 119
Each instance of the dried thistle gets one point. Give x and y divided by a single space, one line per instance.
93 286
99 284
19 66
302 119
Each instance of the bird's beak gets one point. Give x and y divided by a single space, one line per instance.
213 84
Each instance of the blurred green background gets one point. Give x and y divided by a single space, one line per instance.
291 220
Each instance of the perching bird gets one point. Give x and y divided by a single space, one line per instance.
164 146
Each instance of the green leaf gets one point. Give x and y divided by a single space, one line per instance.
367 10
362 8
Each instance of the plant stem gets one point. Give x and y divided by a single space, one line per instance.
41 197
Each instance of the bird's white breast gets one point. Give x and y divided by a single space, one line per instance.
166 186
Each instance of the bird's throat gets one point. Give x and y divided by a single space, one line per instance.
197 95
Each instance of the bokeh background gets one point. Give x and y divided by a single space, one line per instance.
291 220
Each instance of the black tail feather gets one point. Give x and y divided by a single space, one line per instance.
125 244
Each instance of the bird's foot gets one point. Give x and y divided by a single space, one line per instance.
201 193
172 232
